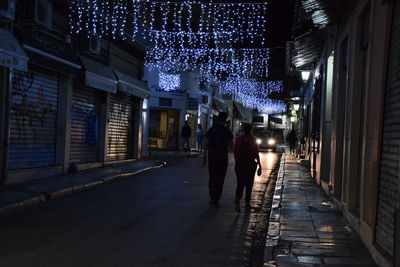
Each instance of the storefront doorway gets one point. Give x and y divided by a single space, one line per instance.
164 129
192 121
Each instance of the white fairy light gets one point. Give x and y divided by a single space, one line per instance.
169 82
219 62
254 94
231 22
178 45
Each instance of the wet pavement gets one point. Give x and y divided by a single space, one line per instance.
157 218
306 228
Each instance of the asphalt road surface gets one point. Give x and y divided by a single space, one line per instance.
158 218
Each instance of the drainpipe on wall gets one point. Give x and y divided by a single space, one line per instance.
396 238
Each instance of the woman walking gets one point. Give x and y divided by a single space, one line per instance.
246 161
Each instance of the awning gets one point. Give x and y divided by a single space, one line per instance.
245 113
50 61
99 76
11 53
132 86
219 105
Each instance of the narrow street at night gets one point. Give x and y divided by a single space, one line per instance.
118 119
158 218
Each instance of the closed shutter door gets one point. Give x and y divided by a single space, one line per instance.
390 151
120 127
364 81
33 120
85 125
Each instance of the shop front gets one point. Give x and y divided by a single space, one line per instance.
36 119
164 129
33 120
86 116
88 112
193 117
126 117
120 127
12 59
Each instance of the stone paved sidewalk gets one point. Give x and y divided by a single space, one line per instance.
40 190
306 228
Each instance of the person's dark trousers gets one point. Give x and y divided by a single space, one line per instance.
217 165
292 147
245 179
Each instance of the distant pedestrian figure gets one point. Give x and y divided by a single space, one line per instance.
218 139
200 136
185 135
246 161
292 140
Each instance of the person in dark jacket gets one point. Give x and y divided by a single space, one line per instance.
185 135
246 161
219 139
292 140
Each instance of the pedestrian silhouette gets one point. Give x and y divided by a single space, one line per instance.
246 161
292 140
218 139
185 135
200 136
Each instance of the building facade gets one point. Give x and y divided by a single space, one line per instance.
351 108
68 102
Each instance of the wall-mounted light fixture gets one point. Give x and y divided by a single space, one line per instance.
305 75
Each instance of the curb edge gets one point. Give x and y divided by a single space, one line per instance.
273 233
47 196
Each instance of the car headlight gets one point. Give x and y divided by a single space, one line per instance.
258 141
271 141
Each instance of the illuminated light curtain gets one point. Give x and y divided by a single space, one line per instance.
232 22
98 17
169 82
184 41
217 62
254 94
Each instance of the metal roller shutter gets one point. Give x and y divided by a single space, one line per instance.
364 48
85 125
120 127
390 153
33 121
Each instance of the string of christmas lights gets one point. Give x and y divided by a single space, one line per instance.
218 23
250 86
254 94
187 36
169 82
219 62
100 18
180 24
